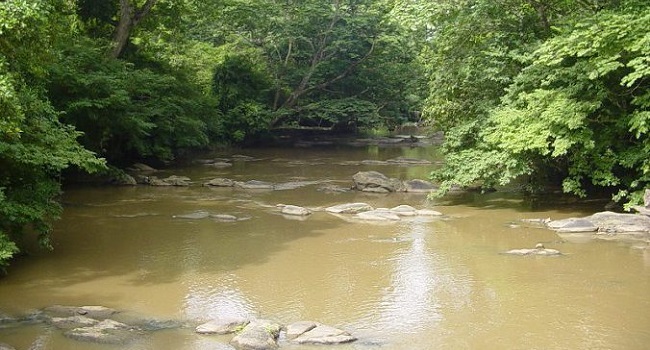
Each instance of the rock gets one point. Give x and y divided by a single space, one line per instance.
219 164
646 198
73 322
105 332
178 180
224 217
294 210
258 335
222 326
332 188
428 212
572 225
254 185
610 222
197 215
378 215
242 158
404 210
419 186
408 161
373 181
325 335
94 311
292 185
538 250
298 328
143 168
5 346
155 181
349 208
150 325
374 162
123 179
220 182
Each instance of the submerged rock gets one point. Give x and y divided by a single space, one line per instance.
197 215
93 311
322 334
294 210
219 182
349 208
378 215
224 217
105 332
224 325
258 335
538 250
254 185
71 322
409 161
5 346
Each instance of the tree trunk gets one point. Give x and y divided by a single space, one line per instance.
129 17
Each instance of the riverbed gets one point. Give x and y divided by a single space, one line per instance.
417 283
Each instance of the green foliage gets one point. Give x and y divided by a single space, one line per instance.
580 107
125 112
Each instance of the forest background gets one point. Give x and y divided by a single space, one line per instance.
553 91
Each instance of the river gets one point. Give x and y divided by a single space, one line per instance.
420 283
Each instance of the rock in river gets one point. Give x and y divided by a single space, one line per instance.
220 182
258 335
538 250
319 334
224 325
293 210
105 332
373 181
349 208
93 311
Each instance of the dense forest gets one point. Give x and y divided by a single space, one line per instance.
550 90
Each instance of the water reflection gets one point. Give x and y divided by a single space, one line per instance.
218 297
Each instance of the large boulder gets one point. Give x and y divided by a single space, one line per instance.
573 225
378 215
258 335
323 334
105 332
225 325
373 181
604 222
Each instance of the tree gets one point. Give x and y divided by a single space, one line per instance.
35 147
579 109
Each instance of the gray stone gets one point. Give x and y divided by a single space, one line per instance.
123 180
294 210
224 325
94 311
298 328
404 210
105 332
224 217
428 212
373 181
349 208
572 225
197 215
333 188
178 180
409 161
378 215
258 335
73 322
538 250
219 165
254 185
5 346
610 222
325 335
292 185
374 162
220 182
419 186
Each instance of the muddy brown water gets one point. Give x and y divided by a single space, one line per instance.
420 283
